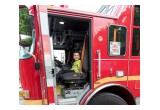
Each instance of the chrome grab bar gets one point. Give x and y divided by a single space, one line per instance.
99 64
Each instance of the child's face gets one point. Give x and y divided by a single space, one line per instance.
76 56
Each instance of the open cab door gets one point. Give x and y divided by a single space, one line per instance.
46 54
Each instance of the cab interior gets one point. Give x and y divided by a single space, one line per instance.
69 35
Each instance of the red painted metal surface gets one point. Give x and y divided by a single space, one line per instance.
50 94
29 76
46 45
133 87
100 28
134 67
134 62
42 8
43 49
130 67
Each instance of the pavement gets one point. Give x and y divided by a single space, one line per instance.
138 101
21 101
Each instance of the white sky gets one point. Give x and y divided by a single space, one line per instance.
89 8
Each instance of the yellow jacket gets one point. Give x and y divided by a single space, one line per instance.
76 66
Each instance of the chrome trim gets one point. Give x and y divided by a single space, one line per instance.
44 23
99 63
85 91
53 67
102 87
52 53
55 91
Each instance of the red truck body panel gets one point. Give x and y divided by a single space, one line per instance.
30 78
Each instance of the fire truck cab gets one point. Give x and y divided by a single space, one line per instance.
109 46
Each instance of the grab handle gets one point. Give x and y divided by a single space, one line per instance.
99 64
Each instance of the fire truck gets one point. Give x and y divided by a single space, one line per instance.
109 46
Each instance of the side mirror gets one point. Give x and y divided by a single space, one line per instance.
25 40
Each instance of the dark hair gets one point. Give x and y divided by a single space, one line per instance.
77 52
73 54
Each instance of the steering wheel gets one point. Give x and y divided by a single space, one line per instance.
58 62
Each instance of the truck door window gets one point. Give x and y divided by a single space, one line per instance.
137 15
136 42
136 32
117 40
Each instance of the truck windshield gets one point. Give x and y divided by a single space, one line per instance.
22 53
60 55
26 27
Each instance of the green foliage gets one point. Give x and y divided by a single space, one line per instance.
27 41
24 22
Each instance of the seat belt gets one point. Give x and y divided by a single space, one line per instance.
83 50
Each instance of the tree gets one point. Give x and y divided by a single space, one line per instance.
24 22
27 41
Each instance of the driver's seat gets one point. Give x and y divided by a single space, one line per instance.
73 79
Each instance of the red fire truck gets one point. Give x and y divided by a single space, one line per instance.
109 44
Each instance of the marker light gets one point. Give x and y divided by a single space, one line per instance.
119 73
24 94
